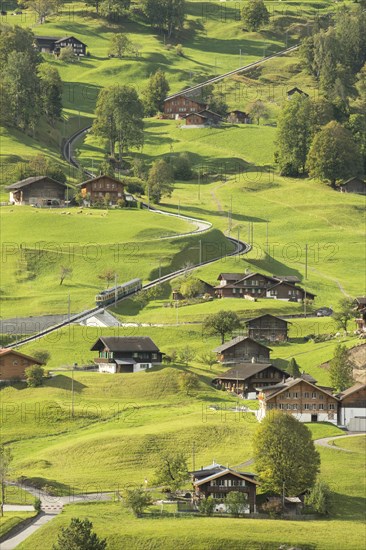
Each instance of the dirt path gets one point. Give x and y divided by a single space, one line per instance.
324 441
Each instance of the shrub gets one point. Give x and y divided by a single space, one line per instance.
34 376
207 506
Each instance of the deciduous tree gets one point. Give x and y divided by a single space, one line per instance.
43 7
119 115
34 376
285 455
334 154
236 503
137 500
156 90
79 536
160 180
319 498
172 470
222 323
295 131
255 15
65 272
50 92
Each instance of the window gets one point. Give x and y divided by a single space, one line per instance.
315 406
331 406
314 395
15 363
306 394
144 365
289 406
321 406
287 395
321 396
294 407
307 406
295 394
234 290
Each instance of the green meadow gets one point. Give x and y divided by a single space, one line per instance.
12 519
111 520
133 243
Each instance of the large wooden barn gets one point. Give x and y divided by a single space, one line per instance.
37 191
241 349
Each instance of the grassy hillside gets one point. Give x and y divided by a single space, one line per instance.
111 520
130 242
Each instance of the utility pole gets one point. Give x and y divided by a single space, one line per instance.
306 261
115 290
72 389
267 243
304 301
240 57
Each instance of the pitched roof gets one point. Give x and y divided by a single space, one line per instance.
125 343
266 315
351 390
68 38
291 382
223 473
288 278
230 276
33 179
296 89
245 370
6 351
238 340
355 178
292 286
186 96
195 113
91 180
361 300
209 112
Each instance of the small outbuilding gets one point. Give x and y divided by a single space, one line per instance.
99 188
242 349
13 364
238 117
353 185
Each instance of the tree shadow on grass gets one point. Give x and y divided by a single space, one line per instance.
65 383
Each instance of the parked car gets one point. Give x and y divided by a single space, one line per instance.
324 312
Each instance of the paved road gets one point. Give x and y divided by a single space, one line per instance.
324 441
51 507
13 542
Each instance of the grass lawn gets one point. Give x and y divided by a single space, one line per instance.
121 528
130 242
11 519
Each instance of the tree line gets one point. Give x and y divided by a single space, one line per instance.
326 138
29 88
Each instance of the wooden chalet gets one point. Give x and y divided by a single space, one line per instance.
253 284
182 105
119 354
238 117
96 189
288 291
37 191
352 408
295 90
203 118
218 481
54 44
353 185
13 364
242 349
246 379
301 398
267 327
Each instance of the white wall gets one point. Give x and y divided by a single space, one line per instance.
107 367
347 413
138 368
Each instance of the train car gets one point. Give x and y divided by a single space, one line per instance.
108 296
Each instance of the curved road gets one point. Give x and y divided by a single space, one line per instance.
324 441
